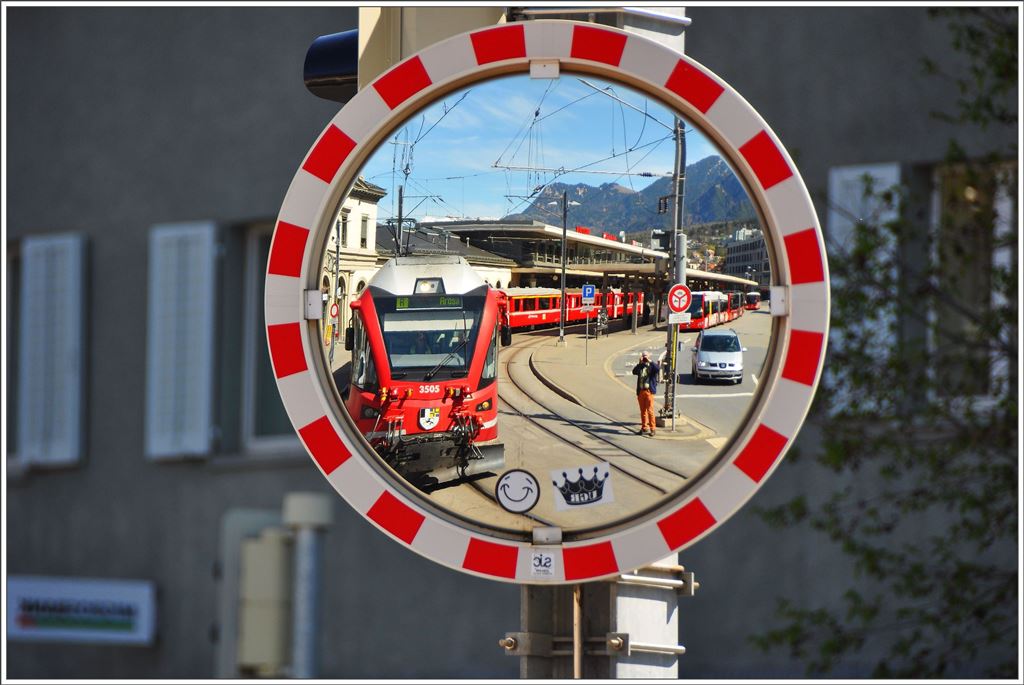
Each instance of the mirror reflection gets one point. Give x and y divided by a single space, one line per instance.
497 314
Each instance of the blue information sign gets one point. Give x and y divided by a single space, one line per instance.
588 294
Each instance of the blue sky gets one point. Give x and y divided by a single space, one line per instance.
516 121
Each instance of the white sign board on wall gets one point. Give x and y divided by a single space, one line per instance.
47 609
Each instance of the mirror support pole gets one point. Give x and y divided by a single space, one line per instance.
616 638
577 631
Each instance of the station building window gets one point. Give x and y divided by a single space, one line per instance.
45 317
265 426
973 214
959 222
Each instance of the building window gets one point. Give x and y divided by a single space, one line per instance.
180 334
344 229
972 215
48 392
854 199
264 424
364 229
12 315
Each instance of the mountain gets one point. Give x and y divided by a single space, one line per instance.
712 194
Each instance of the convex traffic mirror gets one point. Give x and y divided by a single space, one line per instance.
481 174
442 378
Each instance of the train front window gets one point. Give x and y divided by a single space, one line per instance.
364 373
423 341
490 370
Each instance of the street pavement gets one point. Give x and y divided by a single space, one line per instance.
597 374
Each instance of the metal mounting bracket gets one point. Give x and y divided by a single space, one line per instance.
314 304
779 304
684 582
526 644
619 644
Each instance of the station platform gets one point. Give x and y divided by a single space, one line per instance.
596 374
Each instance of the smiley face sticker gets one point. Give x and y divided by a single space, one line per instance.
517 491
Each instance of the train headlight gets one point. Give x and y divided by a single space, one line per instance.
428 285
408 393
484 406
370 413
383 395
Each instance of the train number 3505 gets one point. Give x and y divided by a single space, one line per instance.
430 389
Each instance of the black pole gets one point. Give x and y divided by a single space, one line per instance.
401 192
561 309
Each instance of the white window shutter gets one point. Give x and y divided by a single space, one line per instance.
50 369
180 339
848 206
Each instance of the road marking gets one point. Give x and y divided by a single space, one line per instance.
754 378
724 394
717 442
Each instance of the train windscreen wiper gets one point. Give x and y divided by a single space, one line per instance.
430 374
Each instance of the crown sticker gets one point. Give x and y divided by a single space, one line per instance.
581 489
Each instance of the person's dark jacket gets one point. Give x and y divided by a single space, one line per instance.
652 376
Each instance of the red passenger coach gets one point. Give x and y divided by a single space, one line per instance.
424 391
753 301
539 307
707 308
735 305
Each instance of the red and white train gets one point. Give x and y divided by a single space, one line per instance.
530 307
753 302
423 389
711 308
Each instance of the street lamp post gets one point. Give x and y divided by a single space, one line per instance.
561 310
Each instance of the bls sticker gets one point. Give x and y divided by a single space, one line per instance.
430 417
542 564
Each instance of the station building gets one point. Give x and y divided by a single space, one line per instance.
536 249
591 256
350 256
746 255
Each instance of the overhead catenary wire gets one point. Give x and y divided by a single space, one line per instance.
536 114
530 134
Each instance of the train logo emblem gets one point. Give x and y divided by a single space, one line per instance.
517 491
430 417
583 491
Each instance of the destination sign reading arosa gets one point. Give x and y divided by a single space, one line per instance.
429 302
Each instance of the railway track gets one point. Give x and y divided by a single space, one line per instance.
600 448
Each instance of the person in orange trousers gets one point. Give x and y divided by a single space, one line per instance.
646 373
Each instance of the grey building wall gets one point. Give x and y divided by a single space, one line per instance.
839 86
122 118
119 119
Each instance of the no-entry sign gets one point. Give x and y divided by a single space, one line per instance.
677 518
679 298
